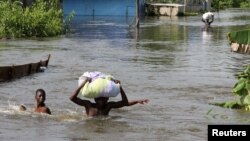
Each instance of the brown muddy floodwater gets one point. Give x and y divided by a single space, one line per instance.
170 61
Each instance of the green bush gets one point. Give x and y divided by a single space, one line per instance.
42 19
223 4
242 92
245 4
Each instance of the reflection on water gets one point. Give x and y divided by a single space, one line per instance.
172 61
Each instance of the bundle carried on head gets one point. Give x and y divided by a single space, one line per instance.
101 85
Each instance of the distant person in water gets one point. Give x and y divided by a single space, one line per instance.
101 105
40 99
208 18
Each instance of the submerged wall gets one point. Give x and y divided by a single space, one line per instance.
103 7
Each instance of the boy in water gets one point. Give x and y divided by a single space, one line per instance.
40 99
101 105
40 105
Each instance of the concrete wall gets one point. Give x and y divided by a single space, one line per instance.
170 11
103 7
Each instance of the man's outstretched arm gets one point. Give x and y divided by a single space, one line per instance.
125 102
141 101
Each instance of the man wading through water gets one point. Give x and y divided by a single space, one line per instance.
101 105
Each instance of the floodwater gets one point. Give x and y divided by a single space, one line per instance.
170 61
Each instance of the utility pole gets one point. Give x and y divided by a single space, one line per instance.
208 5
137 13
185 4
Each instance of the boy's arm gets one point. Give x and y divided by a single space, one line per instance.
48 111
77 100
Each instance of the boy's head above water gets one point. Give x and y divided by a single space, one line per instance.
40 96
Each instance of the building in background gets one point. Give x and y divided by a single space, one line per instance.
103 7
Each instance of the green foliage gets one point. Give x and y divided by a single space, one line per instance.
68 20
228 104
240 36
242 87
245 4
223 4
191 14
242 92
42 19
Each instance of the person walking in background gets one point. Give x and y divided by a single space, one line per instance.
208 18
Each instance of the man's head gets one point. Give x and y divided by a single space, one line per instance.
101 100
40 96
